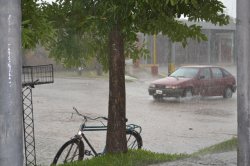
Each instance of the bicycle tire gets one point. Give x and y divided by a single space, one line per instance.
78 152
134 140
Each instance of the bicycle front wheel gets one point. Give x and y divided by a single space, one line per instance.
72 150
134 140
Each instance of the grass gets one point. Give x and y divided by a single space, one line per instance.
225 146
132 158
144 158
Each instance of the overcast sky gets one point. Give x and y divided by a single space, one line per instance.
231 7
230 4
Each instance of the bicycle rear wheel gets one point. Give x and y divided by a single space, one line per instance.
72 150
134 140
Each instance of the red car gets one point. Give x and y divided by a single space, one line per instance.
187 81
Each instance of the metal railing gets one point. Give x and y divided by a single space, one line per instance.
31 76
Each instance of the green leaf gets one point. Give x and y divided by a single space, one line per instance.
173 2
194 3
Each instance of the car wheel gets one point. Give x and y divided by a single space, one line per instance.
188 93
157 97
228 93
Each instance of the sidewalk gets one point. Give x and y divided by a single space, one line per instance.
216 159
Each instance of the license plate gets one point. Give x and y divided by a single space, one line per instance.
159 92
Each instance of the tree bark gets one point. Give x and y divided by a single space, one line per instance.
116 134
243 91
11 117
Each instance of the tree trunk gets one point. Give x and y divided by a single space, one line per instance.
243 91
11 117
116 134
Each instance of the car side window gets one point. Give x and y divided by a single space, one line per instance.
225 73
205 73
217 73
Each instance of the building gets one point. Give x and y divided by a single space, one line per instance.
218 49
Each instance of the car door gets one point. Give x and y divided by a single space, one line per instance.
217 81
204 82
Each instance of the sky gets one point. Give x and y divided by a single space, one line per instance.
230 4
231 7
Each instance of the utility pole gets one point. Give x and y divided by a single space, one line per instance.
171 60
11 117
154 67
243 77
155 53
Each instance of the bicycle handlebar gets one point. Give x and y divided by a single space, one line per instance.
87 117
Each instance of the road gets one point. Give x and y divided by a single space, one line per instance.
169 126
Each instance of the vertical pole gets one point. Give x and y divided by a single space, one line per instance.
243 91
155 55
220 51
11 123
232 48
209 46
171 63
146 47
154 67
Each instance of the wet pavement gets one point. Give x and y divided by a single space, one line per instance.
169 126
217 159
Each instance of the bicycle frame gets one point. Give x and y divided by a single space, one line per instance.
75 149
90 128
103 128
84 128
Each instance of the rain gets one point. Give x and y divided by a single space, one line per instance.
169 125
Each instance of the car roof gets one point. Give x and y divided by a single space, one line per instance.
199 66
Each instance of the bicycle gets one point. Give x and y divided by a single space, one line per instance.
74 149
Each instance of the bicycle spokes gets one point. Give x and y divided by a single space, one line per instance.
131 142
71 154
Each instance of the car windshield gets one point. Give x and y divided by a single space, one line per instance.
187 72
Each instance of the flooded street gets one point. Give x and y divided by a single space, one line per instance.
168 126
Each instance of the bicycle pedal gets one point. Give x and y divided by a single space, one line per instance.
87 153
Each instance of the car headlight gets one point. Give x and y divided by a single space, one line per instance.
172 87
152 85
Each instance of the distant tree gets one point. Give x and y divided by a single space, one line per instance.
109 27
36 29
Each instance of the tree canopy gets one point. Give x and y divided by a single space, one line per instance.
82 26
153 17
36 28
72 20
